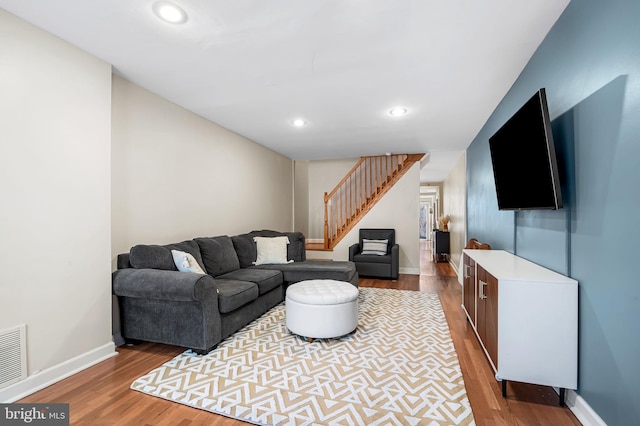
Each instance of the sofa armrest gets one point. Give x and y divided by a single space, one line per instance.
163 285
353 250
395 261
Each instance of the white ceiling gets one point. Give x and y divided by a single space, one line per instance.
253 66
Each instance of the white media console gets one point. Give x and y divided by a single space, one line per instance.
525 317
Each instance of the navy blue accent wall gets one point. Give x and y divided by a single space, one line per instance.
589 64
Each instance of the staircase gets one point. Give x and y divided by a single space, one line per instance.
359 191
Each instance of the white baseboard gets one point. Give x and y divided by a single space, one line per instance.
455 268
582 410
409 271
41 380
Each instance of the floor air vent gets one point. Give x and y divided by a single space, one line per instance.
13 355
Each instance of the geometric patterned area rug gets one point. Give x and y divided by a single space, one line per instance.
398 368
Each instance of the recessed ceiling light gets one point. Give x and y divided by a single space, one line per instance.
298 122
398 111
169 12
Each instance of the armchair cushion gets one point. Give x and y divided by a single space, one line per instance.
372 258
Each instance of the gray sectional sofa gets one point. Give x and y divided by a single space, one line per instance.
158 303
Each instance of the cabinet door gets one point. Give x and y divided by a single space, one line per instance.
491 317
469 287
488 313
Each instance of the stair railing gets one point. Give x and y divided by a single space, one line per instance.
359 191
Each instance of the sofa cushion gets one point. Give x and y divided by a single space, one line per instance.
233 294
144 256
189 246
246 247
314 269
218 254
266 280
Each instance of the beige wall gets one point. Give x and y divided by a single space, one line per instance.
177 176
55 273
73 199
454 204
301 197
324 175
398 209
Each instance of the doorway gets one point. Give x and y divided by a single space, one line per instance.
429 211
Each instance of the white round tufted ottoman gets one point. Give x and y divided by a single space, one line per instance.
321 308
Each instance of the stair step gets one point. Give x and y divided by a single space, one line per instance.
316 247
378 177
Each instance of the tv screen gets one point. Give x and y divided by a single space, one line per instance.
524 160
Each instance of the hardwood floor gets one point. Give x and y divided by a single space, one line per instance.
100 395
525 404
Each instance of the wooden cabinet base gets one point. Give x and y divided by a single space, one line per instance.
561 393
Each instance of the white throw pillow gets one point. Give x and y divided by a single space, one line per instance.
271 250
185 262
378 247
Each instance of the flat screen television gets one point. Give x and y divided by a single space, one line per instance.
524 159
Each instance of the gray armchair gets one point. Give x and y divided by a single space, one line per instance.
376 265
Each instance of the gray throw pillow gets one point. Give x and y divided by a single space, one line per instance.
159 257
245 249
218 255
144 256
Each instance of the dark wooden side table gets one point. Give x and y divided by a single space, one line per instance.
440 246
